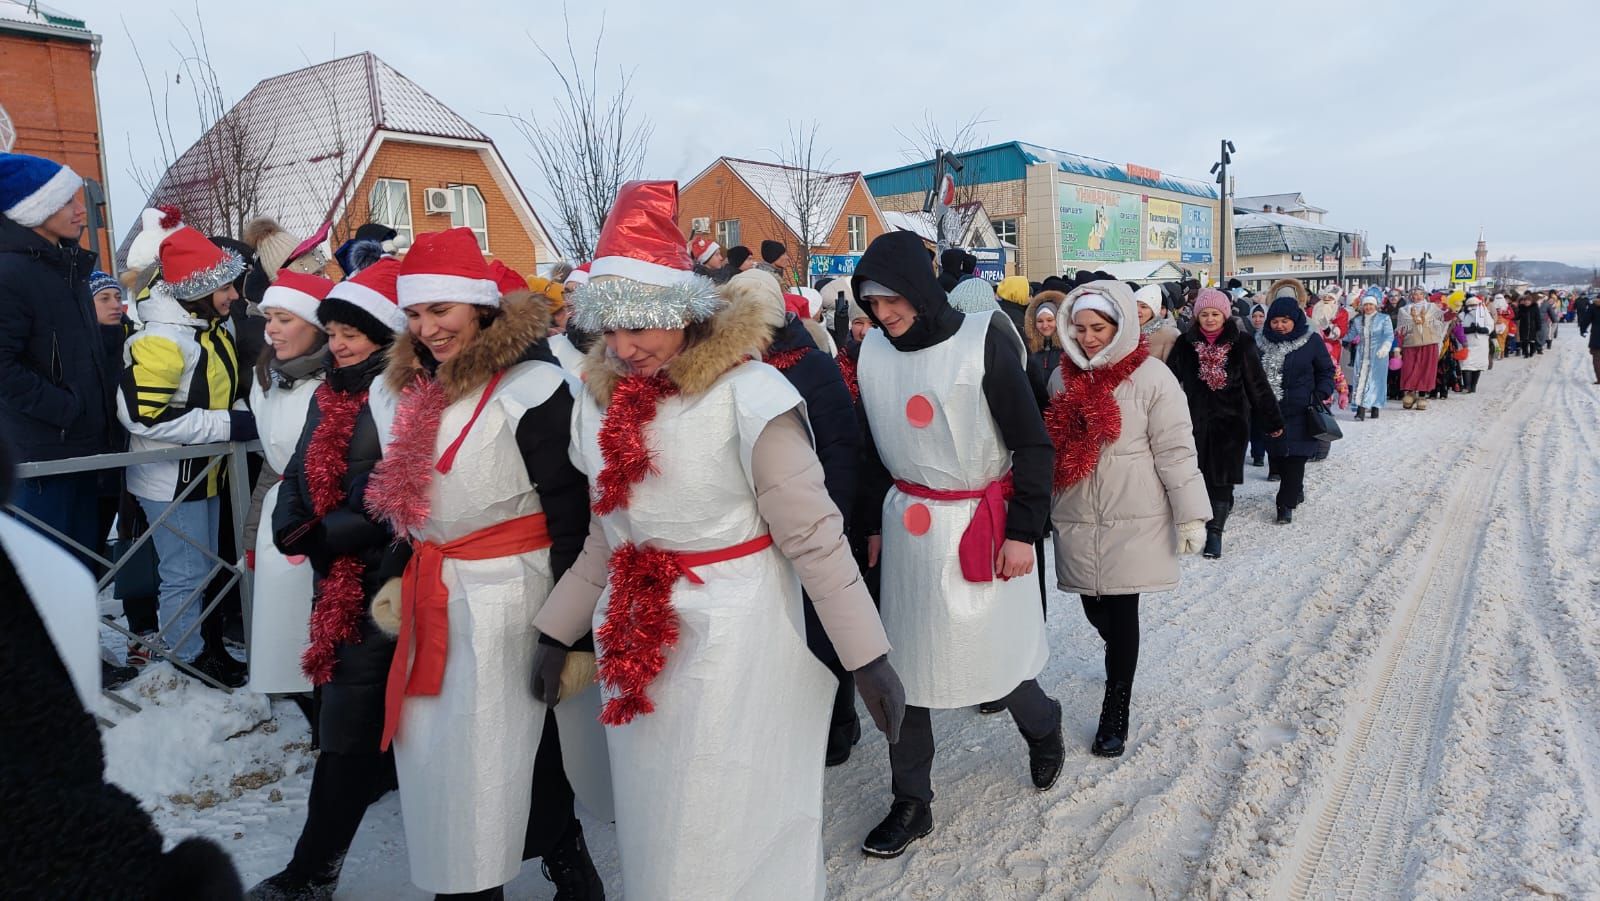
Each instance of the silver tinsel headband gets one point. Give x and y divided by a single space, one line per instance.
622 303
210 280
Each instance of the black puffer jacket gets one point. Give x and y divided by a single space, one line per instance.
56 393
829 408
1221 416
350 706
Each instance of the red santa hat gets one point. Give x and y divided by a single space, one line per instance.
192 267
642 276
703 248
372 293
506 278
446 267
297 292
579 274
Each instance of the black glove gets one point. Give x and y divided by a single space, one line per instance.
548 661
879 686
242 426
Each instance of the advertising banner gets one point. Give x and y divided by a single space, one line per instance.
991 263
1099 225
830 264
1195 234
1161 229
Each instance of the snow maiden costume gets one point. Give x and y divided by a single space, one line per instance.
708 500
1371 338
961 463
475 476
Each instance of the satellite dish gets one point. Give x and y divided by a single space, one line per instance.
8 132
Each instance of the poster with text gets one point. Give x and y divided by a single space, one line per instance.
1099 225
1161 229
1195 235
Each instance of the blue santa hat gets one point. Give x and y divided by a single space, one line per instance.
32 189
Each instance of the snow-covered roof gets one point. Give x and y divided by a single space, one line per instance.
311 129
1287 202
1088 165
779 188
1257 233
1141 270
973 228
39 18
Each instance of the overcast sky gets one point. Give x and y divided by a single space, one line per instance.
1415 122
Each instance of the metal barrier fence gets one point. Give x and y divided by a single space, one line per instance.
233 456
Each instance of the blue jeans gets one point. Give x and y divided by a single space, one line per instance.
69 503
183 568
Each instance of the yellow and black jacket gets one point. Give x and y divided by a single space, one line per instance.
180 378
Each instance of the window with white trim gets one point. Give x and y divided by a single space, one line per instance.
728 233
856 227
470 212
390 204
1005 230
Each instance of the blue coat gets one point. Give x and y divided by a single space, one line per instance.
56 390
1369 374
1307 379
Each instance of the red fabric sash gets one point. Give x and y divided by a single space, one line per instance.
640 622
980 543
425 604
447 460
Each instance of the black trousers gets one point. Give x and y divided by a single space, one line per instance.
342 787
1293 484
911 758
1116 618
1220 494
1469 379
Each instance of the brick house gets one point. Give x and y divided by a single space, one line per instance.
348 142
745 202
49 96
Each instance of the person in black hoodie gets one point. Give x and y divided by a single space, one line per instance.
321 513
952 424
831 413
56 391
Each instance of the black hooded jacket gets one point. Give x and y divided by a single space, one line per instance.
829 409
899 262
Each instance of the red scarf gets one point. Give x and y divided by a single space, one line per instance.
339 604
1083 417
626 457
785 360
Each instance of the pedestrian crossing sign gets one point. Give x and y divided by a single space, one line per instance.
1464 271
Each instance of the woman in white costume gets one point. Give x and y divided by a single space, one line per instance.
710 513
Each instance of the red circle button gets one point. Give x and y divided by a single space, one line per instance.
917 519
919 411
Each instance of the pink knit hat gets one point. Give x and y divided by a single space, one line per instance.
1212 299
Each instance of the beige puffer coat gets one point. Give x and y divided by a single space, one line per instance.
1116 530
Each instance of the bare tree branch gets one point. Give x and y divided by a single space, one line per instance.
925 139
806 172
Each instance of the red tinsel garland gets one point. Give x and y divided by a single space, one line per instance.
640 626
627 457
339 604
1213 363
398 492
1084 417
785 360
847 368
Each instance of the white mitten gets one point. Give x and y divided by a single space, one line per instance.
577 673
1191 537
386 607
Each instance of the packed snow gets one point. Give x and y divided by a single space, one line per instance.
1396 696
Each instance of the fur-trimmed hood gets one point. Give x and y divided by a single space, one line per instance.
1298 286
1030 331
523 322
741 331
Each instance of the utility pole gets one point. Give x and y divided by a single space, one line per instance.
1388 261
1220 170
1339 249
1425 258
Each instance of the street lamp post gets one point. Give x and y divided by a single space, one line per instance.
1388 261
1425 258
1220 170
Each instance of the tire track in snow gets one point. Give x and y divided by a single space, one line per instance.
1351 842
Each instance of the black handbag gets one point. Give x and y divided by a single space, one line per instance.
1323 426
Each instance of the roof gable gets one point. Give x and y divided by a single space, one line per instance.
779 189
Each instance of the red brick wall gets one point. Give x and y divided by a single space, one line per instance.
431 166
47 88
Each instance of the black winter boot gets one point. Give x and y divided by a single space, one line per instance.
1374 412
908 820
1361 414
1112 736
571 870
842 736
1047 755
1285 515
289 886
1214 529
989 708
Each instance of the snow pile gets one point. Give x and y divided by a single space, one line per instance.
194 746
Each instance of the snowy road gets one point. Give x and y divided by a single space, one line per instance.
1397 696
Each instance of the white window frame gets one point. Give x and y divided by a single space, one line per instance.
376 211
459 218
1015 232
856 230
728 237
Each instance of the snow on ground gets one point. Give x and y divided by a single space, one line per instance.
1397 696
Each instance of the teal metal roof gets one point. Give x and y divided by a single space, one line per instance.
1010 162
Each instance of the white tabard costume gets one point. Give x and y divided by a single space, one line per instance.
956 643
280 608
719 790
568 355
465 756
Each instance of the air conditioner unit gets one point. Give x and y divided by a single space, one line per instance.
700 225
438 200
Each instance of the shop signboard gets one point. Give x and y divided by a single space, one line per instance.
1099 225
1194 235
991 263
830 264
1161 229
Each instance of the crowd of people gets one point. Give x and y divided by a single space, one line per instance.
648 533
